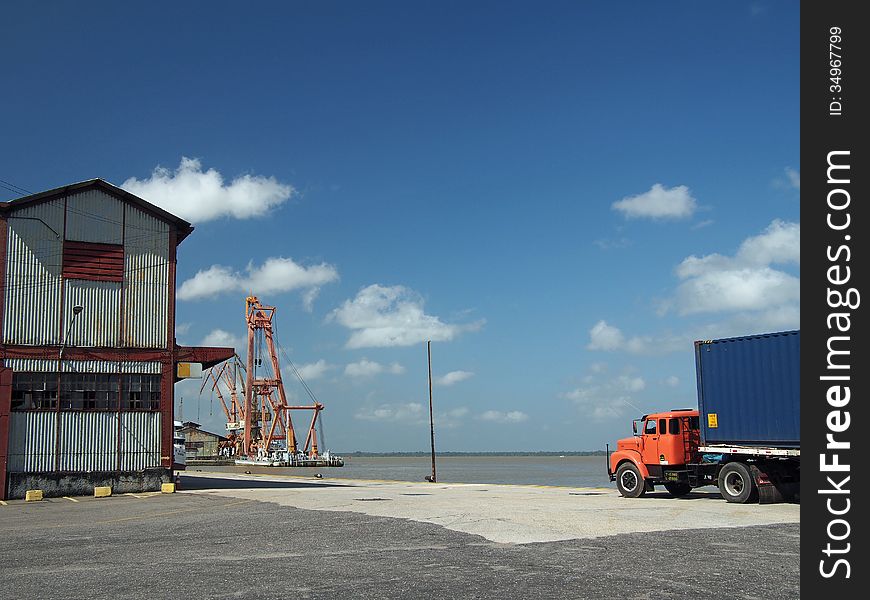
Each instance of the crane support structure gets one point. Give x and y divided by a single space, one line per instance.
260 423
261 392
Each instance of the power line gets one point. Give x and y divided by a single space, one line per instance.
14 188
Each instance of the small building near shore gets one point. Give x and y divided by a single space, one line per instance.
200 443
88 358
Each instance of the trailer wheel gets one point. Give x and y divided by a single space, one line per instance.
736 483
629 481
678 488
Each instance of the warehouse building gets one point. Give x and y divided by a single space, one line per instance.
201 444
88 358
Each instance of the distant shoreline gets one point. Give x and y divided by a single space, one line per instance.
362 454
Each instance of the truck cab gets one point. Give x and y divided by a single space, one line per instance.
658 453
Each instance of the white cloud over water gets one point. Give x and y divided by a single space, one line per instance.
383 316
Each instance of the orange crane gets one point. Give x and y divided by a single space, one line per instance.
262 417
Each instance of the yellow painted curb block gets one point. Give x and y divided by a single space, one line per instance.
167 488
102 491
33 495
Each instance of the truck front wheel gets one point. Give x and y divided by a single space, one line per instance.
629 481
736 483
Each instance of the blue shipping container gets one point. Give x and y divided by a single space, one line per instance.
749 390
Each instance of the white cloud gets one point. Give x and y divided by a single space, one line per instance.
792 180
412 413
514 416
794 177
368 368
225 339
658 203
314 370
746 281
452 377
198 196
605 337
672 381
779 243
392 316
737 289
277 274
630 384
600 400
450 419
609 339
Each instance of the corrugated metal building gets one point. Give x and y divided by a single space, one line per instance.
87 341
200 443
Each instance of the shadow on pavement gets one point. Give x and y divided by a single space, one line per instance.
219 483
711 495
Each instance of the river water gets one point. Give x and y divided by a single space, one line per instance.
569 471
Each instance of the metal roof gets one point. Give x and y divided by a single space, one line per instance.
184 228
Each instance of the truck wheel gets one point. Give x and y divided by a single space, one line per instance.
736 483
678 488
629 482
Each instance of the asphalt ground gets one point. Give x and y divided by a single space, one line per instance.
212 543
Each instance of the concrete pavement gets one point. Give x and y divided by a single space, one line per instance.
502 513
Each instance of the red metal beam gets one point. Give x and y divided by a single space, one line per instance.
209 356
5 409
4 233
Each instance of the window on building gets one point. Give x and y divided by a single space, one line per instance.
140 392
85 391
34 391
89 391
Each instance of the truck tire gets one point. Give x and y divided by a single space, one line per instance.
736 483
678 488
629 481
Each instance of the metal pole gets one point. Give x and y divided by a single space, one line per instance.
431 419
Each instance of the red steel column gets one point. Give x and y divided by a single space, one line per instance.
167 384
5 374
4 234
5 409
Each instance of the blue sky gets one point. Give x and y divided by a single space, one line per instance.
562 196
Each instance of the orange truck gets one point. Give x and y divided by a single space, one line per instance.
744 437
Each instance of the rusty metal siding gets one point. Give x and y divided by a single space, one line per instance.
99 324
34 251
31 442
146 280
140 440
94 216
43 365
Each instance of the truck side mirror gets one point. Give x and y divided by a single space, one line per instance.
634 427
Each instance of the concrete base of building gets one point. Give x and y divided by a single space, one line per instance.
59 484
